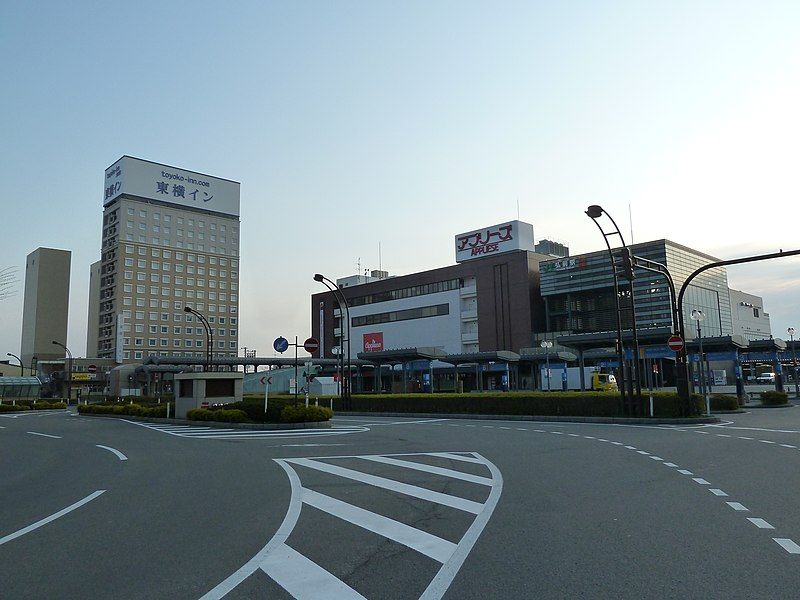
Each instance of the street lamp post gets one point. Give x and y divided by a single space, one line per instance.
209 336
794 364
21 368
594 212
340 298
698 315
69 370
547 345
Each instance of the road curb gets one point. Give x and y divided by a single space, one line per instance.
41 410
218 424
611 420
769 406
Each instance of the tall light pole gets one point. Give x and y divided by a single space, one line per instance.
698 315
21 368
794 364
69 371
547 345
594 212
342 302
209 336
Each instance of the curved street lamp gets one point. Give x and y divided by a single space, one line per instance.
332 287
209 336
69 372
594 212
21 368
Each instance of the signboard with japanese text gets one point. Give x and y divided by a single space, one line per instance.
373 342
563 264
514 235
145 179
120 338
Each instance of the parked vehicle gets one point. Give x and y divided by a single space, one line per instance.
765 378
593 379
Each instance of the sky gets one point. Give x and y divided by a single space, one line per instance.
354 124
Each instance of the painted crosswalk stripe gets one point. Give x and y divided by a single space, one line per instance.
717 492
423 542
406 464
303 578
738 506
453 456
392 485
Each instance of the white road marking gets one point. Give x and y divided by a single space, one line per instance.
601 440
788 446
303 578
589 437
217 433
656 458
703 432
488 426
741 437
760 523
449 455
425 543
523 429
631 447
766 441
618 443
685 472
717 492
53 517
723 435
119 454
701 481
643 452
788 545
505 428
308 445
416 466
761 429
392 485
738 506
668 464
540 431
558 432
57 437
573 435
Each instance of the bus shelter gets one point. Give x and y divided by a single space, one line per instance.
19 388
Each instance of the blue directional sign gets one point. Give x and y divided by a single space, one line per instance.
280 344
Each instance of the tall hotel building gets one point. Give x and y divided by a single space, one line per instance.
170 240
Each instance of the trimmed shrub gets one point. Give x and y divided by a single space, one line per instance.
724 402
12 408
774 398
571 404
305 414
221 415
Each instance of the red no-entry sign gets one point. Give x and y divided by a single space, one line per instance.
311 345
675 343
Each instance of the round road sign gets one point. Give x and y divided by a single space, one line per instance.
280 344
675 343
311 345
92 368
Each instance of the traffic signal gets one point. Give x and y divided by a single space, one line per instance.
627 265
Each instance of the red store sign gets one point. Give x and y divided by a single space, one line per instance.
373 342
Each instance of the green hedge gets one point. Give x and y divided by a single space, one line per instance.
572 404
133 410
774 398
724 402
305 414
222 415
12 408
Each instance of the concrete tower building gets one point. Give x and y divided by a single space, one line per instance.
46 304
170 240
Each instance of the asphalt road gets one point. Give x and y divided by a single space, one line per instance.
400 508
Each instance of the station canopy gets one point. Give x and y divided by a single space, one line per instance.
19 387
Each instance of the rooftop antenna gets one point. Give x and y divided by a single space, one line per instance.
630 220
359 266
380 263
517 208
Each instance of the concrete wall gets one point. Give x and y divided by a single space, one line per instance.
46 304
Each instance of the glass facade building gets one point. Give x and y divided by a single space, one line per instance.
579 292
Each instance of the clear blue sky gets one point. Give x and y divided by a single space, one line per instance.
350 123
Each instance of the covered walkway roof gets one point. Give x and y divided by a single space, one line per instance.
19 387
401 355
481 357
